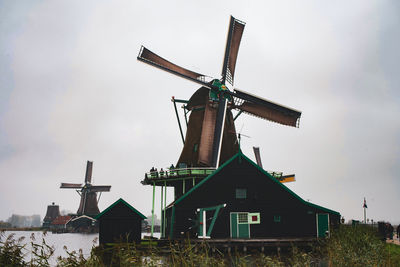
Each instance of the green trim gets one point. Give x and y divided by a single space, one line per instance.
171 230
218 208
240 155
237 115
206 179
123 202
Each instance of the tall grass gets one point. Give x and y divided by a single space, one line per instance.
347 246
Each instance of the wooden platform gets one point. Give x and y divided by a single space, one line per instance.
228 245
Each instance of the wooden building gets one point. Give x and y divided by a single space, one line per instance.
120 222
241 200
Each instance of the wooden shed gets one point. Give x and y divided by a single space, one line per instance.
120 222
242 200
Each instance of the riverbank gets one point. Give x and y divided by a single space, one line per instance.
24 229
347 246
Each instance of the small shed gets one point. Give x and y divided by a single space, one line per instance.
120 222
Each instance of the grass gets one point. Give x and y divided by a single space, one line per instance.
348 246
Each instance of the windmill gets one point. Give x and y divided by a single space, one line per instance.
88 193
207 141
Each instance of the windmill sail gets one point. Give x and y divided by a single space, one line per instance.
207 135
235 33
266 109
69 185
88 175
258 157
100 188
145 55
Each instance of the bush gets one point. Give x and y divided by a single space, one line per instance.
355 246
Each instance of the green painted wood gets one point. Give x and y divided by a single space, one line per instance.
322 224
200 223
234 225
243 229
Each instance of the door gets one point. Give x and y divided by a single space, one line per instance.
240 227
322 225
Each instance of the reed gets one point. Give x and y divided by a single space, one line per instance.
347 246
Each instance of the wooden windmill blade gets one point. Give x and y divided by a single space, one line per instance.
89 169
100 188
207 135
258 156
69 185
266 109
235 32
151 58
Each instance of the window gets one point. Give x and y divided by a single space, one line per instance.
196 147
243 217
277 218
241 193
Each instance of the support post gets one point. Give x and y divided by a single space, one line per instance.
183 186
204 224
165 207
162 198
152 210
185 112
179 122
237 115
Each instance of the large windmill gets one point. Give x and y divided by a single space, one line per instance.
210 137
88 193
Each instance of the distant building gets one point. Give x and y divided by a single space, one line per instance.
60 223
24 221
53 211
83 224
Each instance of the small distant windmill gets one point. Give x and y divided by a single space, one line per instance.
88 193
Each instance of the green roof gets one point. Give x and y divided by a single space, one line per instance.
123 202
240 155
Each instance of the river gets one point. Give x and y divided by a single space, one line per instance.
73 242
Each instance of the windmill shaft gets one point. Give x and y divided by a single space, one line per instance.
219 128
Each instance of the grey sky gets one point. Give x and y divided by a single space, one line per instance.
72 90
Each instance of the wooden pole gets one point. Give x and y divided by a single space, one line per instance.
152 209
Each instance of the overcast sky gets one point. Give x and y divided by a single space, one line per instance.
71 90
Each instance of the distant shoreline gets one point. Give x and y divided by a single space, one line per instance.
24 229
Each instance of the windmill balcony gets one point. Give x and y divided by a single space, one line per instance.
172 174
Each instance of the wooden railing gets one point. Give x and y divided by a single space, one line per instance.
175 173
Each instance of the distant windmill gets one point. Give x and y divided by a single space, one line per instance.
88 193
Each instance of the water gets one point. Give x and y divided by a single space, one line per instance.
73 241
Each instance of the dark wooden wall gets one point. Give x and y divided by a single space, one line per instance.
119 223
264 195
